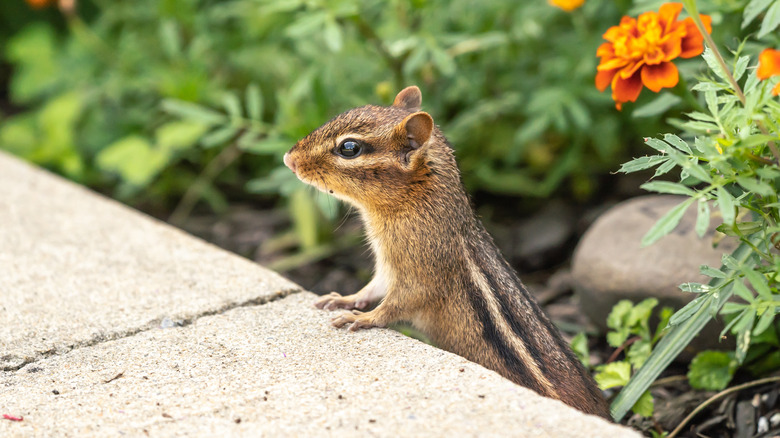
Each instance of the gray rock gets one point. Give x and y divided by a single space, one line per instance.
609 265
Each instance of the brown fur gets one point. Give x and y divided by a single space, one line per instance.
436 266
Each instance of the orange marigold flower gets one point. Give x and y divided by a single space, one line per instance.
39 4
567 5
768 66
639 52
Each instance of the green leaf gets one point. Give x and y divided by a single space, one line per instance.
741 228
730 308
443 61
613 374
134 159
703 218
743 292
713 64
657 106
668 187
744 321
333 36
169 38
771 20
232 105
663 322
700 116
638 352
743 340
645 405
270 145
307 24
177 135
254 102
642 163
753 9
667 223
696 288
696 170
726 205
764 321
305 220
619 313
219 136
617 337
687 311
640 313
741 66
579 344
711 98
664 168
730 262
702 127
191 111
33 52
711 370
756 186
711 272
678 143
657 144
754 140
759 283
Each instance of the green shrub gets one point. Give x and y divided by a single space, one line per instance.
139 97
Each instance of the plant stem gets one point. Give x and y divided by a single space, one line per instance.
718 396
195 191
622 347
690 6
395 64
670 379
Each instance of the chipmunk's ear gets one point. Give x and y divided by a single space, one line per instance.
415 129
409 98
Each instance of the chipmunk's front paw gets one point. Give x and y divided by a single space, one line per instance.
334 301
357 319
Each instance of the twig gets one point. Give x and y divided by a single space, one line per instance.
120 375
622 347
718 396
670 379
195 191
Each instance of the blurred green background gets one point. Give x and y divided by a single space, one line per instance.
180 105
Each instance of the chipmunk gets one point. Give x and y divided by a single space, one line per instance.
435 265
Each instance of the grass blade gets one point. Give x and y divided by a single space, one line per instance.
672 344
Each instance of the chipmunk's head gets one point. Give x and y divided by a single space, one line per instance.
372 156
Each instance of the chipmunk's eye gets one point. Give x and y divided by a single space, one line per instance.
349 149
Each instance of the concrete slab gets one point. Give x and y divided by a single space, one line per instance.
77 268
277 369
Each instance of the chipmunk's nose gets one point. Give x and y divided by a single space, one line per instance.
289 162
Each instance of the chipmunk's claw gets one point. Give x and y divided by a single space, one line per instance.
331 301
334 300
356 319
344 319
